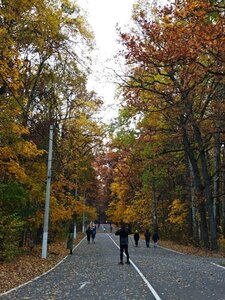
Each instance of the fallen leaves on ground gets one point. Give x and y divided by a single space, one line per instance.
189 249
30 265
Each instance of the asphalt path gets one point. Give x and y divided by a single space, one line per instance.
92 272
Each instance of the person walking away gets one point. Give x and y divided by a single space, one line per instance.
111 228
88 233
93 233
70 242
136 238
147 237
155 239
123 233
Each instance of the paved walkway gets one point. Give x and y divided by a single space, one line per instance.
92 272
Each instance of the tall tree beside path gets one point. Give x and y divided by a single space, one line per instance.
43 81
176 77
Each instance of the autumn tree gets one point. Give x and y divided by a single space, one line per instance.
43 81
176 77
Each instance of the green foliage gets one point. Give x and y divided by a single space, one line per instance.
10 232
13 197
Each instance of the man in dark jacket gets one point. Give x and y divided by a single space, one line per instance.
147 237
123 233
88 233
93 233
136 237
155 238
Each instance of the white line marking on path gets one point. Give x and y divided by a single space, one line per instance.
171 250
83 285
19 286
142 276
218 265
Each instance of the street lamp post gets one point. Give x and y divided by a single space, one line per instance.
47 199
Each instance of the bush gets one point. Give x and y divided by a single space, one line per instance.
10 231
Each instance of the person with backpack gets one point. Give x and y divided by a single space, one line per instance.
147 238
123 233
136 238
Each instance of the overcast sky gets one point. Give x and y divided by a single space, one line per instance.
103 16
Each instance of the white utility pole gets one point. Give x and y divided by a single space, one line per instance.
83 223
47 199
75 231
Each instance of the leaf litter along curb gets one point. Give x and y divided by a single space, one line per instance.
192 250
30 265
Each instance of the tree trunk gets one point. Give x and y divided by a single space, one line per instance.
194 209
216 188
198 189
207 190
223 193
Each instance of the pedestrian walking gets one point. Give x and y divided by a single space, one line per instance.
93 233
147 237
70 242
123 233
111 228
155 238
136 238
88 233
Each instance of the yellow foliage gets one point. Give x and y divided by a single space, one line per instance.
59 212
116 211
130 215
18 171
19 129
178 213
29 149
92 212
78 207
118 189
6 153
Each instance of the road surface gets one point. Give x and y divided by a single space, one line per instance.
92 272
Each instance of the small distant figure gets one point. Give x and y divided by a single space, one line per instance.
155 239
123 233
93 233
147 238
88 233
111 228
104 228
70 242
31 243
136 238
